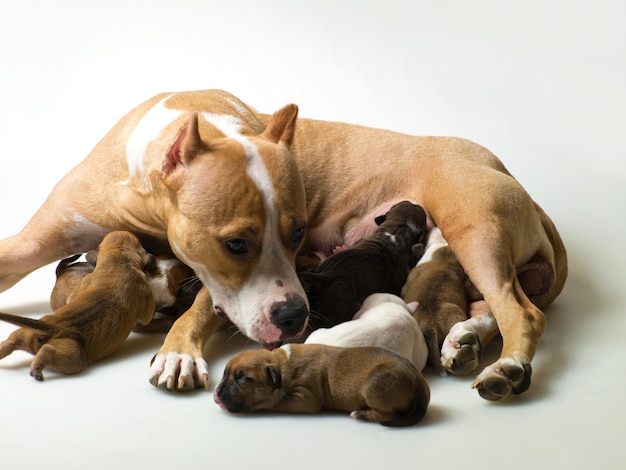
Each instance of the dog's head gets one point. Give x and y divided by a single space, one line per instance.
252 381
238 218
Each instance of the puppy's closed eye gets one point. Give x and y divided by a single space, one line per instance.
241 378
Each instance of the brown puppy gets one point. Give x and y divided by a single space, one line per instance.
373 384
172 283
99 317
379 262
444 293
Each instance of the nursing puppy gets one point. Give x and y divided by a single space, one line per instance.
379 262
373 384
173 285
444 293
384 321
99 317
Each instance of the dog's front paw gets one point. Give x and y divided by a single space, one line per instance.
179 372
462 350
504 377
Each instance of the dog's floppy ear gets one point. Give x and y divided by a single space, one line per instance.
274 376
412 306
380 219
186 146
282 125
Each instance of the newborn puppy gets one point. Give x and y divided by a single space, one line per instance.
99 316
171 282
384 321
444 292
373 384
379 262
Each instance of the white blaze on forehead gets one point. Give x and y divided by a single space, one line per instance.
146 131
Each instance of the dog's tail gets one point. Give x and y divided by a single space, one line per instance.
418 409
27 322
434 351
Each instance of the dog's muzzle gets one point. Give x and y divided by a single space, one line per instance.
290 316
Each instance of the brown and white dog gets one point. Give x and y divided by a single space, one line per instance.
373 384
225 186
97 319
383 321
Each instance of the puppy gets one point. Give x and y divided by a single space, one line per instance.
373 384
384 321
444 293
99 317
172 283
379 262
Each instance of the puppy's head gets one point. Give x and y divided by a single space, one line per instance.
252 381
124 244
377 299
407 223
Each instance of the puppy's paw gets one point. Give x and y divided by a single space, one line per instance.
179 372
504 377
462 350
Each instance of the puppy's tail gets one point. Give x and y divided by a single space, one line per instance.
417 410
27 322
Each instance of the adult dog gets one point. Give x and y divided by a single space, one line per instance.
226 187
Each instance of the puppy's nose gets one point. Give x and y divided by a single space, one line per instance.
290 315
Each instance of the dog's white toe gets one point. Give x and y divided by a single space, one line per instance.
462 349
181 372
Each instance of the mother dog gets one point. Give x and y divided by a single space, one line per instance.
226 186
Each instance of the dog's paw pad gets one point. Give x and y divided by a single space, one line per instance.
462 350
503 378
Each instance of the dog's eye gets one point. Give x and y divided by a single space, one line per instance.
298 234
241 377
236 246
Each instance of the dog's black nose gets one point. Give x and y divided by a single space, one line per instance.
290 315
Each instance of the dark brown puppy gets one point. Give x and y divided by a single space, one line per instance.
373 384
99 317
379 262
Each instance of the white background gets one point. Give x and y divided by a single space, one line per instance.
540 83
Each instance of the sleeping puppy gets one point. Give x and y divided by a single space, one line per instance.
172 283
384 321
373 384
379 262
99 316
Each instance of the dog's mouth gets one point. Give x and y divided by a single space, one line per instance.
272 346
220 313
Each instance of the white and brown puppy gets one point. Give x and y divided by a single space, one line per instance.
373 384
384 321
99 317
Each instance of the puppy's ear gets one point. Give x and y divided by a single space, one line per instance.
418 250
149 262
380 219
412 306
274 376
91 257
